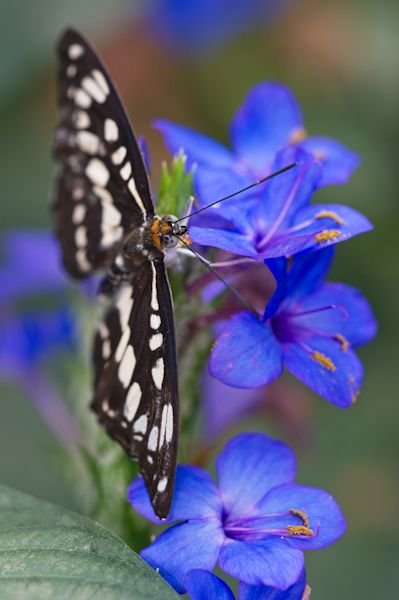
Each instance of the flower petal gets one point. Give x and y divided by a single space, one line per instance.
246 354
269 118
231 241
351 315
334 373
201 584
287 245
212 183
198 148
270 562
184 547
343 222
307 273
262 592
278 267
195 496
325 516
288 192
248 467
338 161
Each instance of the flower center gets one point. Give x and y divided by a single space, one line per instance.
293 523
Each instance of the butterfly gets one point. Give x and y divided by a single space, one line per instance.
105 221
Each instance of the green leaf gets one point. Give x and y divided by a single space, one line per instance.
49 552
175 187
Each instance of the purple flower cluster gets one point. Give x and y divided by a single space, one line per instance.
308 326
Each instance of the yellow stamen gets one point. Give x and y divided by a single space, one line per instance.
329 214
298 135
326 235
324 360
301 514
343 341
299 530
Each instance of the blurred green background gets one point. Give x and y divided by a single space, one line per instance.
341 58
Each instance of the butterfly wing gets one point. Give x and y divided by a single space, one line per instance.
102 188
136 395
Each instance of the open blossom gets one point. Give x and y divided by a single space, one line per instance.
309 327
275 218
255 524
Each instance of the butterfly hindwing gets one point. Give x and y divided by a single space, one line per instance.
102 189
136 395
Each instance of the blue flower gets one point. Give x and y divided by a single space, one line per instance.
274 219
199 25
31 264
255 524
269 120
202 584
30 336
308 326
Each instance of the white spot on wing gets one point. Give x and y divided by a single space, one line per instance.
153 439
71 70
126 171
156 341
81 119
102 82
157 373
106 349
132 401
119 155
126 368
103 194
111 131
123 342
88 142
74 51
169 424
81 236
97 172
161 487
154 294
111 216
91 87
78 193
133 190
124 305
140 425
78 214
82 99
155 321
82 261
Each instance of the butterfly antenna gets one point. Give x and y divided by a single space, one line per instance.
245 189
225 283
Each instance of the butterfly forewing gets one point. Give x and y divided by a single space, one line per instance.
102 187
136 392
102 196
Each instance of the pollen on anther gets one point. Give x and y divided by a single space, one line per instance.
301 515
342 341
327 235
299 530
324 361
329 214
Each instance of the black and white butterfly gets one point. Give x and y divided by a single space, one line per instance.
105 220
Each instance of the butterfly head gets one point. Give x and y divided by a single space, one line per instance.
167 232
